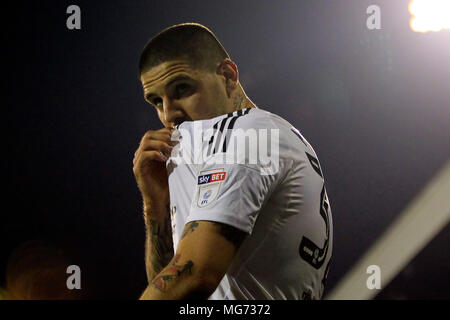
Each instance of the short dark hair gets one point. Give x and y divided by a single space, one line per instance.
192 42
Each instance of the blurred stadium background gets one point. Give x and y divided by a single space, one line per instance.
375 104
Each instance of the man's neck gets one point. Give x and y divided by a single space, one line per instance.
241 101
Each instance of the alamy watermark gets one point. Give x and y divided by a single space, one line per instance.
74 280
374 280
74 20
373 22
233 146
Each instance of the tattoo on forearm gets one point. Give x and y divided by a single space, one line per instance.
189 228
172 272
159 246
233 235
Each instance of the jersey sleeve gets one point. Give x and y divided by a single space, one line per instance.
232 194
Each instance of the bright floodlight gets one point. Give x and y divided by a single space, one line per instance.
429 15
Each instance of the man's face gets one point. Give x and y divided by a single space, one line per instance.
180 93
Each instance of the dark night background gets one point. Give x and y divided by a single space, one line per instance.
374 104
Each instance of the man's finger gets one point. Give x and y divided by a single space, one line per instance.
156 145
152 155
161 135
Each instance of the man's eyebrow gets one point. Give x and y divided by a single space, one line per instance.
149 95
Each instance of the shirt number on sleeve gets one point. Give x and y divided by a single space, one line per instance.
309 251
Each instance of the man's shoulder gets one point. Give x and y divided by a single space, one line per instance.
290 140
257 118
247 118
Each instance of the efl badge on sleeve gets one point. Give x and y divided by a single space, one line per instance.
209 185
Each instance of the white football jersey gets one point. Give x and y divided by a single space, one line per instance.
272 189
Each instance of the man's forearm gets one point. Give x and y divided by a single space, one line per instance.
158 243
178 280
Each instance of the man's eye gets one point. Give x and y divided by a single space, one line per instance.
157 101
182 89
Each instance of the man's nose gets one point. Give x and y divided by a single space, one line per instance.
173 112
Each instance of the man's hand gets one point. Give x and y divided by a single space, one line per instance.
151 176
149 166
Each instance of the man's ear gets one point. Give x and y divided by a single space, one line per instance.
229 70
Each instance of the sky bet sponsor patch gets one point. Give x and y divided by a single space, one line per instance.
211 177
209 185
